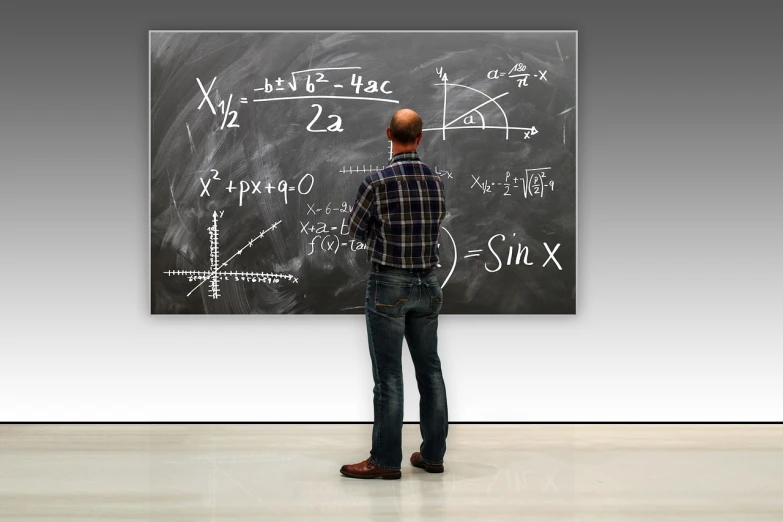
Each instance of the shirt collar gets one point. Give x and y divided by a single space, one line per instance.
405 156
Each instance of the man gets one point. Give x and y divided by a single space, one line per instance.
398 213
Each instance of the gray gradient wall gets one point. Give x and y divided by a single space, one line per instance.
679 231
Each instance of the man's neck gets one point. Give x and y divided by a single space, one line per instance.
396 150
399 149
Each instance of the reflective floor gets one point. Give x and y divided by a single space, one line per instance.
540 473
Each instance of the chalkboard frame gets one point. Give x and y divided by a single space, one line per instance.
575 33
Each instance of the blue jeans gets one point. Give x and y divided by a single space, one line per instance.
402 303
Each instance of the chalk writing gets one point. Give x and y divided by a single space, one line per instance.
515 257
311 77
308 79
332 243
442 173
343 208
335 126
303 187
467 119
364 169
517 73
216 274
534 183
327 237
223 105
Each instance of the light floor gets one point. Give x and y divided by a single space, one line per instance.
237 473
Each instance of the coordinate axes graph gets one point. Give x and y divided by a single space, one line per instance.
467 119
215 273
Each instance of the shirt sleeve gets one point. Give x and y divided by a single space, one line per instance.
362 212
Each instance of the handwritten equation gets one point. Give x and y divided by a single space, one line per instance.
316 83
534 183
343 208
515 257
303 187
328 238
517 73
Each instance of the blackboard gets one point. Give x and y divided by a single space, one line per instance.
259 141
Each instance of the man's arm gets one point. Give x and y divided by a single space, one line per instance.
362 212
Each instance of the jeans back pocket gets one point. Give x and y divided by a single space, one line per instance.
391 297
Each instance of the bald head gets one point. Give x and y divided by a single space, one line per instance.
405 127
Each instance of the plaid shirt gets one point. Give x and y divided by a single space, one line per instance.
398 212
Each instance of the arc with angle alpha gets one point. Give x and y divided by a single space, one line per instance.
487 100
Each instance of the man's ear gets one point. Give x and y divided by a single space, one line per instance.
388 133
418 138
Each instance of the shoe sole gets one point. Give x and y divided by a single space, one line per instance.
384 477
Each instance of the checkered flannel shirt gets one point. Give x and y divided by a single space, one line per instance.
398 213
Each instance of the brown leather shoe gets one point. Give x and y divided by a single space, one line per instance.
367 470
417 461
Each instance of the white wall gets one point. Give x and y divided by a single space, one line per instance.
679 238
